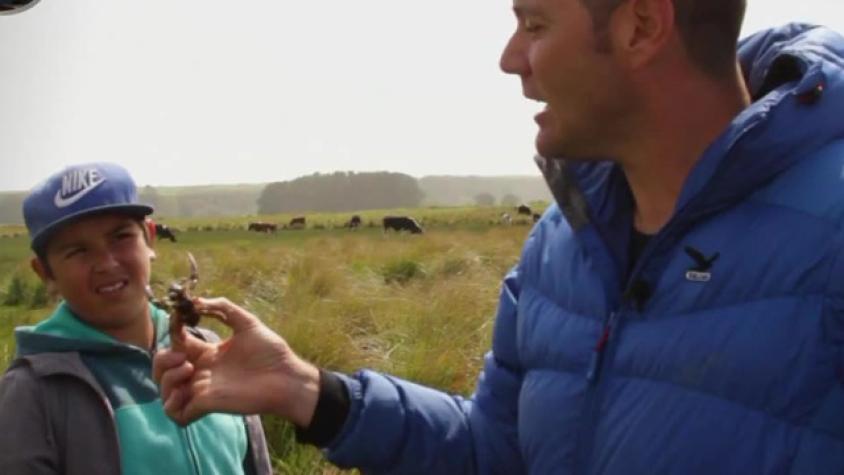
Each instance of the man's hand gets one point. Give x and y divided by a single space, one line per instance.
253 372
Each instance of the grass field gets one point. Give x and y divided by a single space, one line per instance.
417 306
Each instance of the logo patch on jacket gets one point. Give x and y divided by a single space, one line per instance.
700 271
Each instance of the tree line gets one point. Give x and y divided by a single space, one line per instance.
341 191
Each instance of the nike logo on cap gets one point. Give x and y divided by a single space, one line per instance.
75 185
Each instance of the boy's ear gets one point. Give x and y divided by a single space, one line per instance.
39 268
150 225
150 229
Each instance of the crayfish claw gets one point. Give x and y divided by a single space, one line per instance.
194 271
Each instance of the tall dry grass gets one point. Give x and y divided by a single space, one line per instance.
419 307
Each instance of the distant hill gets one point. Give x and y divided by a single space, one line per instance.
203 200
239 200
463 190
10 207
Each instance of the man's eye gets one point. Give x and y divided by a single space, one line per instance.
531 26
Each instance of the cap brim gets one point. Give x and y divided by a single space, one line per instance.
40 239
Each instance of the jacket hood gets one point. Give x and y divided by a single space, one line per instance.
795 75
63 331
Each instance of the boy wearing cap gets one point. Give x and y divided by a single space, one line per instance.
79 397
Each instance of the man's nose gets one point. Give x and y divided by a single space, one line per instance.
514 58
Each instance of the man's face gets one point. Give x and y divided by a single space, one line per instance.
101 265
560 60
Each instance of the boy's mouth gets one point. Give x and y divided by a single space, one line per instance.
112 287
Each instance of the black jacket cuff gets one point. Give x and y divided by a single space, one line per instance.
330 414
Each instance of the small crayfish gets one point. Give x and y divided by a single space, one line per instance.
179 302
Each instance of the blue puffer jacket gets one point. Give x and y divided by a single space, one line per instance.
721 352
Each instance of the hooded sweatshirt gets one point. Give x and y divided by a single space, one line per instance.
149 442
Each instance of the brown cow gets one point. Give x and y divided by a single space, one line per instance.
263 227
297 223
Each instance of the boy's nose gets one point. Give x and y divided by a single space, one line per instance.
104 260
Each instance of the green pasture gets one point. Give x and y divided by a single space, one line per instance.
418 306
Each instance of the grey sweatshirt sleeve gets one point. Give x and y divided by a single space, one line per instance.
257 457
27 445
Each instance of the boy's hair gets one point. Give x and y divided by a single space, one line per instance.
75 192
709 29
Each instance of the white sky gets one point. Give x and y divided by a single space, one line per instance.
186 92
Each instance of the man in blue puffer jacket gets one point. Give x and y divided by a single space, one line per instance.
679 311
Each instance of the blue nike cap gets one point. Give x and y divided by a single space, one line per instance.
77 191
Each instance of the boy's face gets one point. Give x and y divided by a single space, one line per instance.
100 265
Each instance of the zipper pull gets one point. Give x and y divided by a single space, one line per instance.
600 346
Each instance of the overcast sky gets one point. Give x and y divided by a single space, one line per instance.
187 92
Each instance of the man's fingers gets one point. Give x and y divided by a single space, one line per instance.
165 360
174 404
233 316
177 339
174 378
194 409
196 348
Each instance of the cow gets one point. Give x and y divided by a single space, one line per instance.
524 209
401 223
262 227
297 223
536 217
162 231
506 219
353 223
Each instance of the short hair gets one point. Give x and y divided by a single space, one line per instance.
709 29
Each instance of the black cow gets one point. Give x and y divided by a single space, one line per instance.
524 209
262 227
353 223
162 231
536 217
401 223
297 223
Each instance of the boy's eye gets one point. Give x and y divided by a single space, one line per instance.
72 252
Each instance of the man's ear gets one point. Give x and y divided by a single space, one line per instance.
640 30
